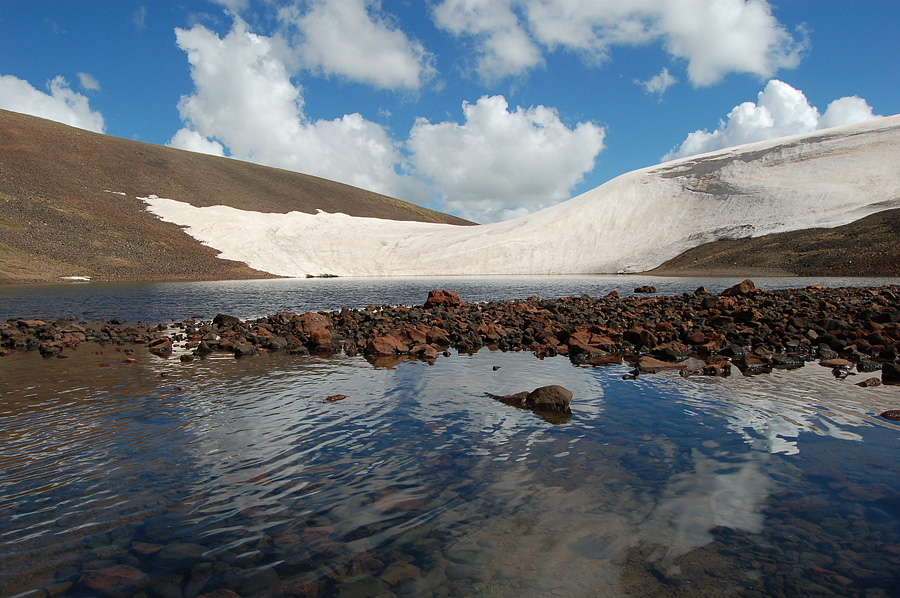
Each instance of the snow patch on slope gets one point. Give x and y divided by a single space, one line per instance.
631 223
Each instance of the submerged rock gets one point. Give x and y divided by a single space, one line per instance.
119 581
546 399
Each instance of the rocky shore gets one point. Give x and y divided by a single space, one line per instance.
743 327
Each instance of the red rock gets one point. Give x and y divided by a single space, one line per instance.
892 414
741 288
445 298
427 352
51 348
717 368
31 323
650 365
869 382
491 331
437 336
386 344
836 362
415 335
715 343
119 581
698 338
335 398
160 346
311 322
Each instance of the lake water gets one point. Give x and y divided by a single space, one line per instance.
166 302
301 476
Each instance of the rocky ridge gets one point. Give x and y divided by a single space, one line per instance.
743 327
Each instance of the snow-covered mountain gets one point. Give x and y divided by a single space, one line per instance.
631 223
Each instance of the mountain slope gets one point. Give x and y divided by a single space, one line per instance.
633 223
867 247
68 204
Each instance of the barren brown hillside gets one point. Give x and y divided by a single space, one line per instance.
867 247
69 207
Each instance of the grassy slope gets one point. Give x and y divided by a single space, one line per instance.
867 247
58 218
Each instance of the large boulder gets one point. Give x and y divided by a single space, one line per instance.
742 288
318 329
546 399
226 321
549 398
445 298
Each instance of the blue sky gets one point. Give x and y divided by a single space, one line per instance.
484 108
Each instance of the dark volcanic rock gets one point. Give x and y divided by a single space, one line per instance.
226 320
890 373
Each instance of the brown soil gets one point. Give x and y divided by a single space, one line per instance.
867 247
61 212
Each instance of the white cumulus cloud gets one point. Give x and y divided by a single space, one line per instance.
658 84
780 110
714 37
504 46
193 141
88 82
245 101
499 163
61 104
352 39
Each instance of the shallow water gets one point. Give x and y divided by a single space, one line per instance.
243 474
